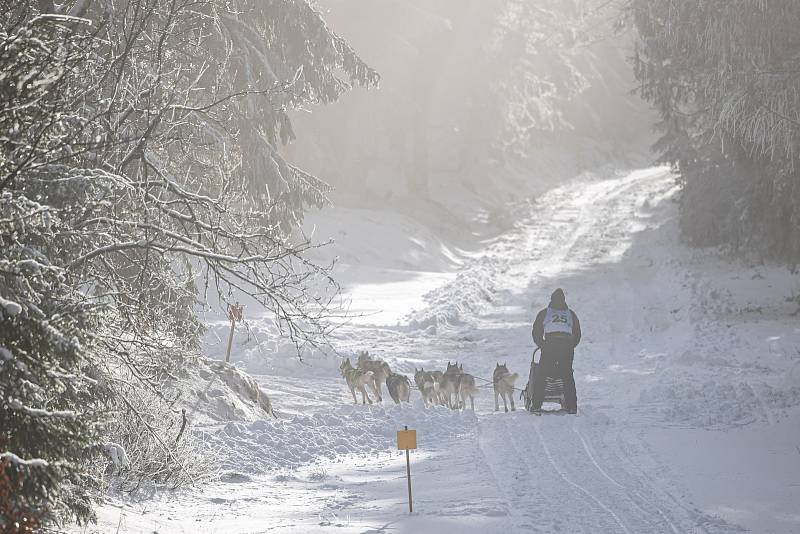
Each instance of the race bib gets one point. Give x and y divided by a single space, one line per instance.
558 321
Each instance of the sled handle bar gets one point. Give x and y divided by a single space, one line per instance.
533 359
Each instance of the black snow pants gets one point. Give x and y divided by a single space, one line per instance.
556 362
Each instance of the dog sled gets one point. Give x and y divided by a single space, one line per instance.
553 389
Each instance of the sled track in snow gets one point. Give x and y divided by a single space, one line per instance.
689 519
510 479
545 496
629 492
574 492
588 494
591 457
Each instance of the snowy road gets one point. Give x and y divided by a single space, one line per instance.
658 359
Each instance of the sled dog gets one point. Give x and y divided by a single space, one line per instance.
503 382
449 384
457 386
428 386
379 368
467 388
356 380
437 378
399 387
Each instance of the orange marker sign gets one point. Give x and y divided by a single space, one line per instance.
407 440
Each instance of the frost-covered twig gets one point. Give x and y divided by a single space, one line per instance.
16 460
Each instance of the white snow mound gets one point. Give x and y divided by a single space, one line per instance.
269 445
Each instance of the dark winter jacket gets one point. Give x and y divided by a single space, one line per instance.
558 303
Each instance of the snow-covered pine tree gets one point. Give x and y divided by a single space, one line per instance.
50 406
724 77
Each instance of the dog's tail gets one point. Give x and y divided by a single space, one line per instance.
512 378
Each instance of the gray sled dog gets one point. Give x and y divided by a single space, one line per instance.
437 378
503 382
428 386
379 368
357 379
457 386
467 389
449 384
399 387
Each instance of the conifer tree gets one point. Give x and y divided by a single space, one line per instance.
724 77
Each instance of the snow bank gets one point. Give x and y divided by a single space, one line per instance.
269 445
243 385
470 292
473 289
212 391
718 404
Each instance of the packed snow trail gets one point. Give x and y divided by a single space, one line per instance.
650 365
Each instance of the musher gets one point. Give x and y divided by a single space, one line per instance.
556 331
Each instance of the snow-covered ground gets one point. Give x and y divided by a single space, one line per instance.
688 381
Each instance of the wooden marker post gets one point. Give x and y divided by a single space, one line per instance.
234 314
407 440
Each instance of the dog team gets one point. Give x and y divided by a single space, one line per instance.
451 388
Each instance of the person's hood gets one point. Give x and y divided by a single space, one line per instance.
557 300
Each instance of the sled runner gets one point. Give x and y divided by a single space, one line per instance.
553 389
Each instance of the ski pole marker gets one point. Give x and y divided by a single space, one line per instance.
406 440
234 314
